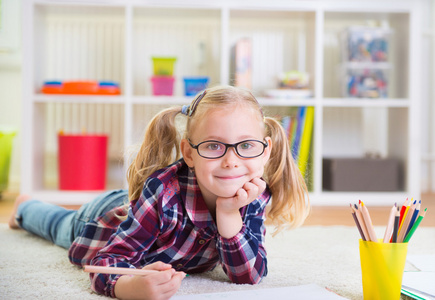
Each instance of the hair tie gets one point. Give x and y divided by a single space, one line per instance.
185 110
188 110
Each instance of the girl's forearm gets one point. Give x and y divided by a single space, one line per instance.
228 223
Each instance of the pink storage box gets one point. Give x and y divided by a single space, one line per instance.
163 85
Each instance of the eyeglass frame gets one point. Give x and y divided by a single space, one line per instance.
235 145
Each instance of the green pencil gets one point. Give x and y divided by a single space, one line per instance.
414 227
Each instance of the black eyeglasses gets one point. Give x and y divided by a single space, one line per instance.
216 149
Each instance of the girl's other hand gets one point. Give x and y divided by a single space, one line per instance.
228 219
245 195
161 285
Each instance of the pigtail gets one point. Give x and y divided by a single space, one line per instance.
160 148
290 203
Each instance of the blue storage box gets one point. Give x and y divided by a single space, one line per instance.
194 85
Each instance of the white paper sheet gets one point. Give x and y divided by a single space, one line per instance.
306 292
420 281
423 262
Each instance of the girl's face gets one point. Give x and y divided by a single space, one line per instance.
223 177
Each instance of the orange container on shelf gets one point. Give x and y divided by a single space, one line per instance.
81 87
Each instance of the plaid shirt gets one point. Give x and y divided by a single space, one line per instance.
171 223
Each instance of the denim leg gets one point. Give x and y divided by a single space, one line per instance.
61 226
98 207
46 220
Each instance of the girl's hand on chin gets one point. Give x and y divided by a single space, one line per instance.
245 195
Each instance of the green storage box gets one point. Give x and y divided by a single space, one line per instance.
6 138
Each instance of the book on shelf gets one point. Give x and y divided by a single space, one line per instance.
241 63
299 130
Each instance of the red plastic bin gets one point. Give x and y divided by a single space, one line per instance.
82 162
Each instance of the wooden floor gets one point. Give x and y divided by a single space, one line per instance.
320 215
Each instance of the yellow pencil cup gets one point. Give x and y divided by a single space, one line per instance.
382 266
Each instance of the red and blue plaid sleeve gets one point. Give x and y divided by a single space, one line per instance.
132 240
243 257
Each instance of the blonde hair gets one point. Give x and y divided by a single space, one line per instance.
160 147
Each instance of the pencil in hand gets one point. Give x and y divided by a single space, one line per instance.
118 271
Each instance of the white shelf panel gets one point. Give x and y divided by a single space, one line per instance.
43 98
59 197
286 102
369 198
324 199
181 100
363 102
159 100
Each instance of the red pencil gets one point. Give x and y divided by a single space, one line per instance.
402 210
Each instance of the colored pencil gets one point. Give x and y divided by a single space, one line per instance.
360 219
414 227
404 211
118 271
390 224
368 222
396 225
405 223
356 222
414 217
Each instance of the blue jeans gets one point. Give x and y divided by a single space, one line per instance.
61 226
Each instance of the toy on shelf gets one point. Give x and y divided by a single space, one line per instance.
365 68
163 79
292 84
366 84
367 44
85 87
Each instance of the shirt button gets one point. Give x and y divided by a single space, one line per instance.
201 242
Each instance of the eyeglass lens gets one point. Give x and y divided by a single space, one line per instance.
213 149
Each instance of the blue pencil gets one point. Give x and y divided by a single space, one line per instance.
414 217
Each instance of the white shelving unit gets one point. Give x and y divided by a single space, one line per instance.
114 40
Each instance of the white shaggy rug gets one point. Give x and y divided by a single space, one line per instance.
327 256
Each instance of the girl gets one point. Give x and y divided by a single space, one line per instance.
204 209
